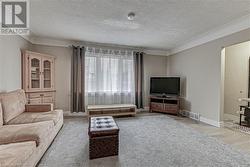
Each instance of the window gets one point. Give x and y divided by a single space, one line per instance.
109 76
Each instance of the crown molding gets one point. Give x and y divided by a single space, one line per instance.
157 52
222 31
49 41
68 43
26 37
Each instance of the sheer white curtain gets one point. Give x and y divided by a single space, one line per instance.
109 76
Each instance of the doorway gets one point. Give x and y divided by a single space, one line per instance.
235 80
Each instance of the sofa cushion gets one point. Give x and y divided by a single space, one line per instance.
1 114
13 104
25 132
31 117
16 154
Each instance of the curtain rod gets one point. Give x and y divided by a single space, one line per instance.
149 51
108 47
114 46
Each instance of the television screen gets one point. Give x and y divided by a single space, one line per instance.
165 85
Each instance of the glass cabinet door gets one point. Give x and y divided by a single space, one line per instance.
35 65
47 74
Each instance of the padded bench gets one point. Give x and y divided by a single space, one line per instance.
112 110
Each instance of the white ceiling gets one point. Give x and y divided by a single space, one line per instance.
159 24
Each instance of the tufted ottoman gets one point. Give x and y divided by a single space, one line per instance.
103 137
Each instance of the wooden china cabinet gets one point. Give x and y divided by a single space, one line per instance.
38 71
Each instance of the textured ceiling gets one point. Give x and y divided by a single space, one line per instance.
159 24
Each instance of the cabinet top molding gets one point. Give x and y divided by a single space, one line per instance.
37 53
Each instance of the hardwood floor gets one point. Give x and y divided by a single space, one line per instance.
235 138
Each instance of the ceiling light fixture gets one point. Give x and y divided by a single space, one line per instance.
131 16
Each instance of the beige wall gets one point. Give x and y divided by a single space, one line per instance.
153 66
62 72
10 61
236 76
10 66
201 68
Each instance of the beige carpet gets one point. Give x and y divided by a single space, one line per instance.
145 141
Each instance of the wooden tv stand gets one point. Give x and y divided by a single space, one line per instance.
169 105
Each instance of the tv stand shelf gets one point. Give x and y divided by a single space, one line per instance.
169 105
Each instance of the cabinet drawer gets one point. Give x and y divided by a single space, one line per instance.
157 106
34 95
48 100
38 95
35 101
48 94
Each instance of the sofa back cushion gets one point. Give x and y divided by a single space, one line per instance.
1 114
13 104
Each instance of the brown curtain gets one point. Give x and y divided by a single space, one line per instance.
77 80
139 85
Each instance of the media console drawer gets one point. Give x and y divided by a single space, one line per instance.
165 105
171 107
157 106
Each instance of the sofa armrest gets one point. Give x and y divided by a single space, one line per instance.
38 107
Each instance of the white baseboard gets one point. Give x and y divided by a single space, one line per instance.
198 117
189 114
221 124
201 119
211 122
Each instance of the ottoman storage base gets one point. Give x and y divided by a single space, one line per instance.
103 146
103 137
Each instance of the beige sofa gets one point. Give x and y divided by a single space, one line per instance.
26 131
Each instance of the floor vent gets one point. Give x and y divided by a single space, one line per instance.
191 115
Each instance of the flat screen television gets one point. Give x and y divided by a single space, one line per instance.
165 86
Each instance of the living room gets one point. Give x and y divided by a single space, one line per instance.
124 83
